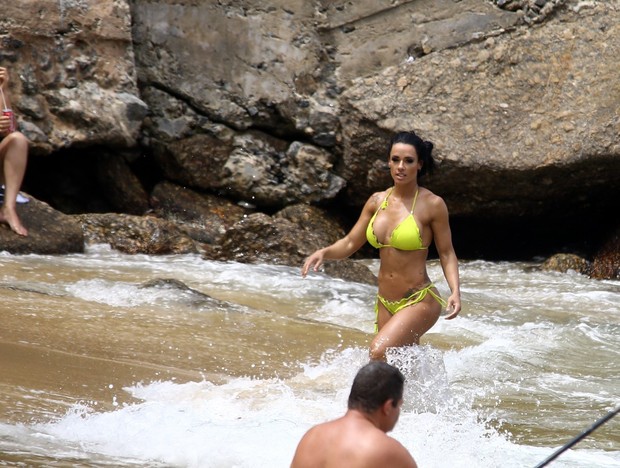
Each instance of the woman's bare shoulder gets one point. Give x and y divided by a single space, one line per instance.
434 200
375 200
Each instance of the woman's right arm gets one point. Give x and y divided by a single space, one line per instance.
347 245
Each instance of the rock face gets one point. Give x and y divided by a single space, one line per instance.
512 109
277 104
288 238
519 120
76 72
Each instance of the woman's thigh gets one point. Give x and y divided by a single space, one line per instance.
4 143
407 325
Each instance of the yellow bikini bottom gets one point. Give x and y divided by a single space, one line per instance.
394 306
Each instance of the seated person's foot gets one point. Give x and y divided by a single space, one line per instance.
10 217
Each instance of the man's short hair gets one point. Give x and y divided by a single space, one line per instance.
374 384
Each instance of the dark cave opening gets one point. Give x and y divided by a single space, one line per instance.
69 180
529 238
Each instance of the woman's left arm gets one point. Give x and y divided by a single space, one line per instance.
440 225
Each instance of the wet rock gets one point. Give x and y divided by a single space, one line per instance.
260 238
565 262
606 263
49 231
135 234
194 297
203 217
325 229
169 283
314 220
349 270
36 289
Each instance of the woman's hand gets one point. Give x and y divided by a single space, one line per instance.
347 245
454 306
313 262
5 124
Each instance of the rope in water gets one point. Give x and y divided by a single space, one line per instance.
585 433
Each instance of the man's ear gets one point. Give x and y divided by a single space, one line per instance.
388 406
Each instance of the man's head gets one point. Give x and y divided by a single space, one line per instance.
375 384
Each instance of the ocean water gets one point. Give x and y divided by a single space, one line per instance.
115 360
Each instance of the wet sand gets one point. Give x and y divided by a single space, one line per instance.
56 351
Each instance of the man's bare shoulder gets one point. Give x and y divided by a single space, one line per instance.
352 442
394 454
311 449
383 451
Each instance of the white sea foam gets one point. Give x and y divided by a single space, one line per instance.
112 294
257 422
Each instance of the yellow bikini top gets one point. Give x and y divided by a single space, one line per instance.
405 236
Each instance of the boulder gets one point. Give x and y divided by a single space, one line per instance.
135 234
203 217
606 263
314 220
523 122
253 167
271 174
260 238
49 231
187 295
567 262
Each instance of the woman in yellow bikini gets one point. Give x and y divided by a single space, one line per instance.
402 221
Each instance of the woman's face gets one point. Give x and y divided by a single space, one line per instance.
404 163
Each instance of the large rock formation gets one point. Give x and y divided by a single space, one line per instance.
523 122
272 105
76 81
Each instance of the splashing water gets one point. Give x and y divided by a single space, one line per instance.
118 374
